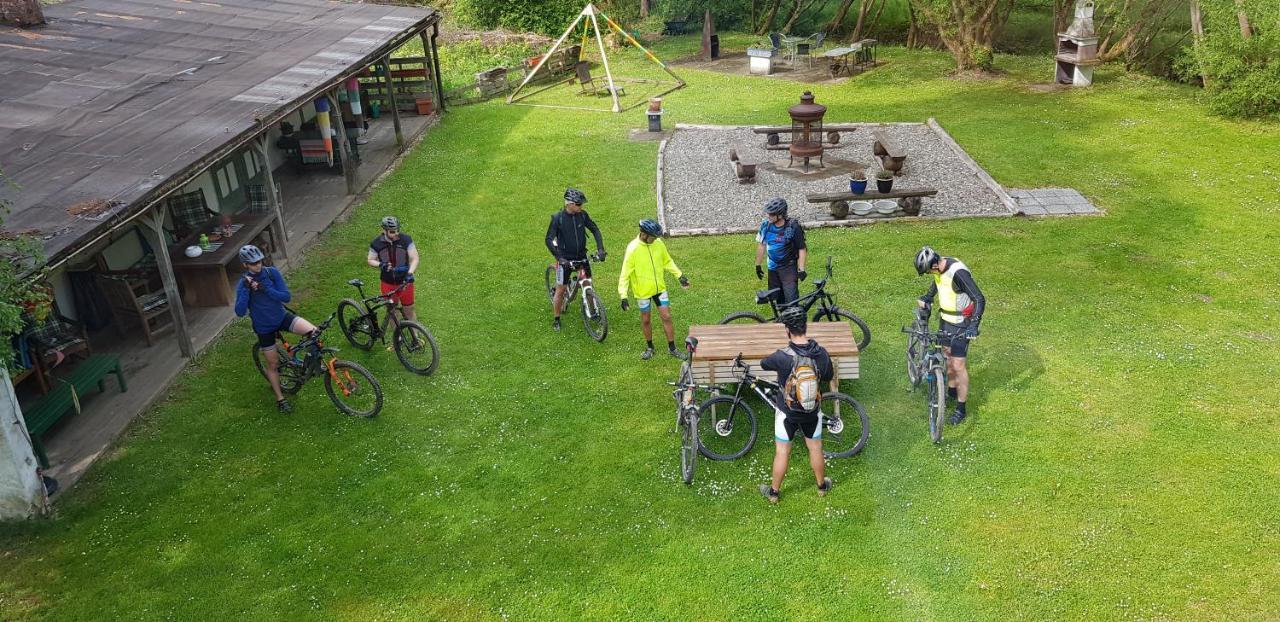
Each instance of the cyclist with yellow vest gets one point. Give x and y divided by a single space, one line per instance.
643 276
960 309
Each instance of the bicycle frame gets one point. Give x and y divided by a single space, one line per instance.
313 363
373 303
578 283
819 296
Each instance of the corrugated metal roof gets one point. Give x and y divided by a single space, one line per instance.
114 99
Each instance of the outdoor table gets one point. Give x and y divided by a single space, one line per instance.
204 278
791 43
839 58
720 344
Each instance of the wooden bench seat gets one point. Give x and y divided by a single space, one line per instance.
62 397
719 344
891 155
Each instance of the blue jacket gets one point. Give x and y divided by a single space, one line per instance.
265 306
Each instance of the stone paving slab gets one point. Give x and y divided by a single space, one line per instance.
1052 202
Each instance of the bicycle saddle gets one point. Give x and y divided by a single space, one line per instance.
764 296
356 283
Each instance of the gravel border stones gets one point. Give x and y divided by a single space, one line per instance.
698 191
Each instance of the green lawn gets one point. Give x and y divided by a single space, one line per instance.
1121 463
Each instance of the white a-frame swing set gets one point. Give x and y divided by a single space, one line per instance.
591 25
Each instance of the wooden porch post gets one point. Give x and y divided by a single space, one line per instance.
432 68
279 232
340 143
155 220
391 99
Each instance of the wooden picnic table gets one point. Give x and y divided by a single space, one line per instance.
204 278
720 344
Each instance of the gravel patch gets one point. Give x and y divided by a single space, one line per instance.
700 191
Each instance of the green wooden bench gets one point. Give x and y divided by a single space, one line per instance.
61 400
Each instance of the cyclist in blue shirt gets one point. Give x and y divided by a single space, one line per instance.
261 294
781 240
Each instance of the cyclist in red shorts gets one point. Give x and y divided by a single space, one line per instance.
395 255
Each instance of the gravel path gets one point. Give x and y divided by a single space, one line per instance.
699 189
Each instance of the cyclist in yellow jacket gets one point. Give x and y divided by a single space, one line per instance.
643 276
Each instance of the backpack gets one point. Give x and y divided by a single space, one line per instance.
802 392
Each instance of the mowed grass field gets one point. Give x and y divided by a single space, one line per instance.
1121 461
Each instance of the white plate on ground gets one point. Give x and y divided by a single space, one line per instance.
886 207
861 208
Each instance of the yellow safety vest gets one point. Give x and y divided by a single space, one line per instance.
952 303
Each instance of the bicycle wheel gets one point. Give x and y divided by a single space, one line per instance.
915 360
726 428
937 400
743 317
354 391
291 376
416 348
845 426
840 315
550 278
593 316
355 323
688 444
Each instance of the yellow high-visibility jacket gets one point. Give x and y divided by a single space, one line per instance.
642 269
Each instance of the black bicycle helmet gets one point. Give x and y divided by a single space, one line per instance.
573 195
251 254
651 227
794 319
776 205
390 223
925 259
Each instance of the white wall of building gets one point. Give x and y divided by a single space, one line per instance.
21 491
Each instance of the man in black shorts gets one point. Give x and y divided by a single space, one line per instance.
261 294
960 305
789 419
781 241
567 241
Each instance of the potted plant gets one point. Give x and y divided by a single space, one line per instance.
884 181
858 181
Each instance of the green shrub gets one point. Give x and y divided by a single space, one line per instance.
1242 76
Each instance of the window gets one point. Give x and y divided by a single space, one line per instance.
230 181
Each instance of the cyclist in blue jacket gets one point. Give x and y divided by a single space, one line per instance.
261 294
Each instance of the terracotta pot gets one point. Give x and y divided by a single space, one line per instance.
655 104
426 106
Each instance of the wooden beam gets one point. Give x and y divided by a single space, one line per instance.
155 220
435 64
340 143
827 197
391 99
280 233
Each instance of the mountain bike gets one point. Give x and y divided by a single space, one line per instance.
350 387
415 346
593 316
687 413
842 435
926 361
820 297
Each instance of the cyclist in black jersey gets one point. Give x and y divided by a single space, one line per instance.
567 241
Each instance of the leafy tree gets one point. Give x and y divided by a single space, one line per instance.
19 253
1238 57
968 28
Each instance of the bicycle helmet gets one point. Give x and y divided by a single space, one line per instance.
251 254
775 206
925 259
573 195
390 223
651 227
794 319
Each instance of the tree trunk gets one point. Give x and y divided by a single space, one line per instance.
1246 31
1197 30
644 8
766 24
913 28
837 21
968 29
875 21
863 8
796 8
